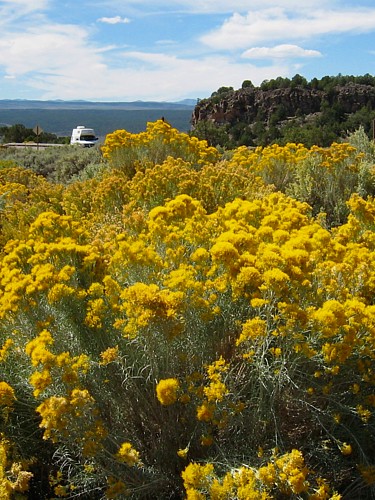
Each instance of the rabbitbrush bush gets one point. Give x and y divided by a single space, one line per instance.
57 164
186 331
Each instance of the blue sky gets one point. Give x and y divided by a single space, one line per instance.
169 50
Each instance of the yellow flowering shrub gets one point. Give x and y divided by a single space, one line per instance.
214 184
132 152
169 323
323 177
25 195
275 164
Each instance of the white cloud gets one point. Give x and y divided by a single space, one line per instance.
214 6
165 42
241 31
15 10
60 62
148 76
114 20
283 51
65 61
24 4
47 50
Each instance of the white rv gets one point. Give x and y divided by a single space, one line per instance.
83 136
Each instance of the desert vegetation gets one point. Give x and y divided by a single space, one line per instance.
182 322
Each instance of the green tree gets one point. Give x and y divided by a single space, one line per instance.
298 81
222 90
15 133
241 135
246 84
215 135
362 118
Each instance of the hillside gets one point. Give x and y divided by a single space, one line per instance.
283 110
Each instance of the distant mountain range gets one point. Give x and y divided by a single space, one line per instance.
81 104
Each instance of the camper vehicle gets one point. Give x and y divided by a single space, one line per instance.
83 136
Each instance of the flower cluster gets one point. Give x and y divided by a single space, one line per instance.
49 363
166 391
7 396
14 479
286 474
128 455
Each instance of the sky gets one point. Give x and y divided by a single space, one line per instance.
170 50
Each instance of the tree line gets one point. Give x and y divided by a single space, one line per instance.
19 133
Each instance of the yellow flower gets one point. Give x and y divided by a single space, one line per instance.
37 350
4 350
252 329
22 478
109 355
40 381
275 278
292 471
215 391
183 452
330 317
166 391
224 251
7 396
257 302
267 474
196 475
205 412
337 418
335 496
364 413
128 455
276 351
54 412
95 312
346 449
61 491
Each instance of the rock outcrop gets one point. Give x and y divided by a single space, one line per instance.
248 105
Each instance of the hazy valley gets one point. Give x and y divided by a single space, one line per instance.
60 117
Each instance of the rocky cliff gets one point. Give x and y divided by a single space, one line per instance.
249 105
